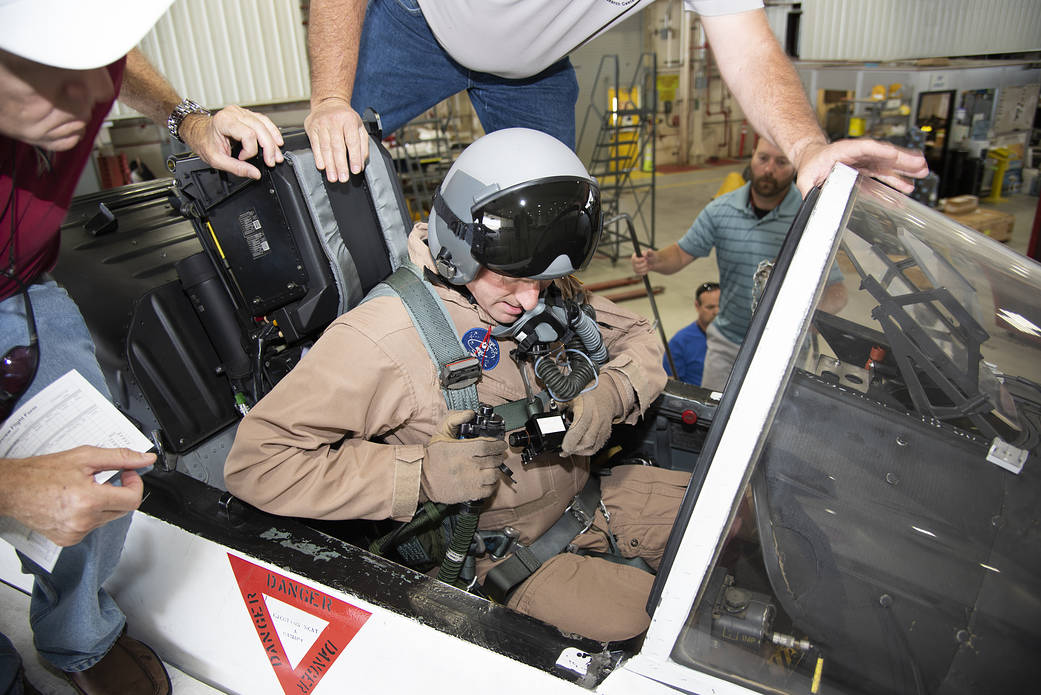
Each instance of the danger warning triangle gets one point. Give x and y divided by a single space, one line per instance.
302 630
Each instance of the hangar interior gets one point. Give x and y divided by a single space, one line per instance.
658 127
654 120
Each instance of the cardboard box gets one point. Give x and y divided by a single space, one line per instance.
995 224
960 205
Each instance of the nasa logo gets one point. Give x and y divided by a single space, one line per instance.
480 343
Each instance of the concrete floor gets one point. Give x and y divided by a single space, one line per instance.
680 196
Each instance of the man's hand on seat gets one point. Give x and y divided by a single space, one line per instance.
338 137
210 137
460 470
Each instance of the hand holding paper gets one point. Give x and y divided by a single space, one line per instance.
56 453
77 504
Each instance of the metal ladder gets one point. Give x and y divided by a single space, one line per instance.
623 149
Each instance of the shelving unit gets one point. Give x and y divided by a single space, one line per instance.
423 153
879 118
425 147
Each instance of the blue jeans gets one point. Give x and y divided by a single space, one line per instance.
74 621
403 71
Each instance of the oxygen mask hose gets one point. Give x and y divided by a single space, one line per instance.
462 537
564 387
587 345
428 516
582 320
562 320
485 424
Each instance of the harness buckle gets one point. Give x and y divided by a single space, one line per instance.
499 544
585 518
460 374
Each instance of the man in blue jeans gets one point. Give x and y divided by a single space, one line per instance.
511 57
61 66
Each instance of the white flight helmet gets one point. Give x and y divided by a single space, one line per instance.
518 202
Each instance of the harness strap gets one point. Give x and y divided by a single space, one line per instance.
457 370
525 560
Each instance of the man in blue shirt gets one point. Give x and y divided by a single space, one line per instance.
688 345
745 226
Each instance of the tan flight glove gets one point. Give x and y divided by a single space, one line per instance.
592 414
460 470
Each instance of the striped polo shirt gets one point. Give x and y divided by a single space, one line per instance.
741 242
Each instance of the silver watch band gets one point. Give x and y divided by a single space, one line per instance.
173 123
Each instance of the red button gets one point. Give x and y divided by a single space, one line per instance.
689 417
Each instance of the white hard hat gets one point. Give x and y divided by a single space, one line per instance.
76 34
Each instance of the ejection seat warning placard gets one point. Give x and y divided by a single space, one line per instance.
301 630
253 233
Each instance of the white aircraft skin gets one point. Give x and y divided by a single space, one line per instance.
181 596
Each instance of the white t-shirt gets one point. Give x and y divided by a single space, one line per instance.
521 38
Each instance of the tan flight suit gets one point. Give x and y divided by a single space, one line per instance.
304 451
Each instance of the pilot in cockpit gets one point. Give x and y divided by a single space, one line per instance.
480 383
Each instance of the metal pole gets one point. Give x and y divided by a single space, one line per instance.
647 285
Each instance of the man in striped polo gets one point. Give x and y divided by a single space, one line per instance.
746 226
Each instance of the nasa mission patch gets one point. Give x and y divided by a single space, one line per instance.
480 343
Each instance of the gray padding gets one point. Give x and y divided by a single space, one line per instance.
385 193
312 183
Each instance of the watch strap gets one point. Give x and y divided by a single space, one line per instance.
177 116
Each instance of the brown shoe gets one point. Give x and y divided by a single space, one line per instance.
129 668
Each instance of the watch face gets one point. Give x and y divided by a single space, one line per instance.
173 123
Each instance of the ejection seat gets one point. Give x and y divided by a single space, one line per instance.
217 284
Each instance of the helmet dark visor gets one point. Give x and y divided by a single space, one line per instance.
523 232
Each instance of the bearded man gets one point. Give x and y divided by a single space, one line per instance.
746 227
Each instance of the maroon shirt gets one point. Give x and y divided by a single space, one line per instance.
37 208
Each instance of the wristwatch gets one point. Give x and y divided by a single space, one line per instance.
173 123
